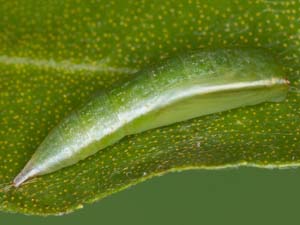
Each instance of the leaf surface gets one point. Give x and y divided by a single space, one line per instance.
55 54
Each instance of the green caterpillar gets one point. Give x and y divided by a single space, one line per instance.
183 87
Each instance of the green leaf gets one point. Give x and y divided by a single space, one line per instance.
55 54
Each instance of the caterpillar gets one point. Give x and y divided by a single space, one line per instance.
180 88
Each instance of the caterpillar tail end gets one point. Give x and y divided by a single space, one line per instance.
23 176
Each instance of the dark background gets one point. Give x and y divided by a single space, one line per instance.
229 196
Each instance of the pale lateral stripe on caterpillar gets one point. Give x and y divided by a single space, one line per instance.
180 88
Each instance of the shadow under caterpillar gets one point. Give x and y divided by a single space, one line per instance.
180 88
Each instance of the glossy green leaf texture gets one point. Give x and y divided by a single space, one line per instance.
55 55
